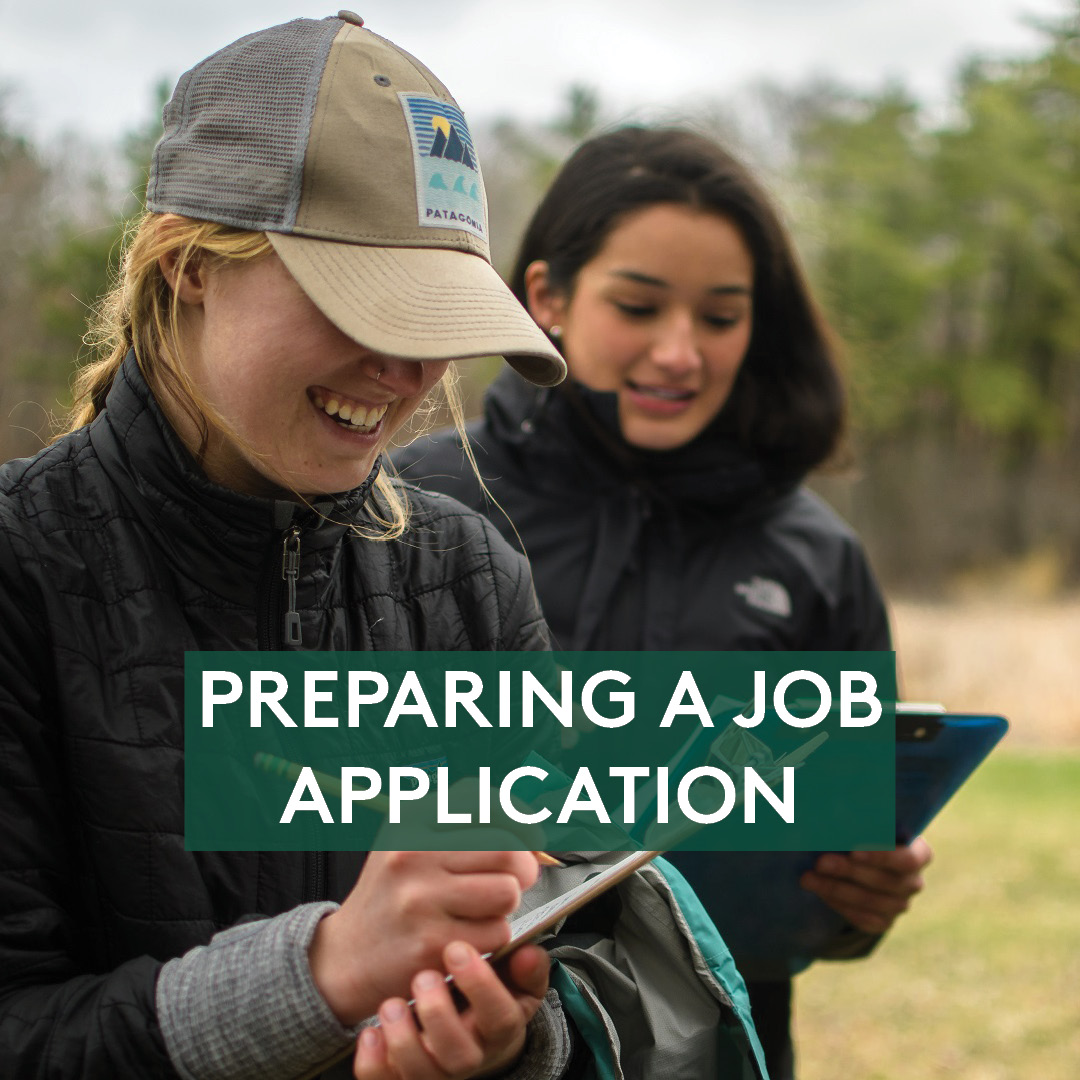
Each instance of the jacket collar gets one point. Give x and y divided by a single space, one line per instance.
206 528
571 431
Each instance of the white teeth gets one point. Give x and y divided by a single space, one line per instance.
368 418
357 417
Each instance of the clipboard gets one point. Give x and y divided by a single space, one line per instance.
527 927
773 926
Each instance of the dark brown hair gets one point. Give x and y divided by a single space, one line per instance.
788 403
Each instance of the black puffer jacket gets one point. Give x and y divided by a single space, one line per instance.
116 556
697 548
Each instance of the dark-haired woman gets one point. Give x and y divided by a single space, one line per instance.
659 492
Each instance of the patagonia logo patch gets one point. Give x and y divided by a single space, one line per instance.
449 187
765 595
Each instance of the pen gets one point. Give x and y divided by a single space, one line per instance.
544 859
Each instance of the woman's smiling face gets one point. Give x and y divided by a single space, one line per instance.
308 410
661 316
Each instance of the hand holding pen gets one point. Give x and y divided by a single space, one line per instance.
404 909
412 917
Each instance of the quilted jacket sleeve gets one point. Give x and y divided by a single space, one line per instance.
487 602
862 621
56 1018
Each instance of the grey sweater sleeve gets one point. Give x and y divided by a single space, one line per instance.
245 1007
550 1045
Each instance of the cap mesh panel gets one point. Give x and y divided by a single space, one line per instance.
237 126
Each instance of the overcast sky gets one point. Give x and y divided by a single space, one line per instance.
91 65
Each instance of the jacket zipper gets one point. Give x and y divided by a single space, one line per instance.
314 881
314 861
290 571
275 633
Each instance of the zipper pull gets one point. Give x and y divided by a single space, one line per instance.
290 571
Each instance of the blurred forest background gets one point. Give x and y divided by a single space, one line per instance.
945 248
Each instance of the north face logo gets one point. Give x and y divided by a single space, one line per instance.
765 595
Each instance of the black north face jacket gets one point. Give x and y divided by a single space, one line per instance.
117 556
695 548
699 548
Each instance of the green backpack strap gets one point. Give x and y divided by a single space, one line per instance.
738 1050
590 1027
720 963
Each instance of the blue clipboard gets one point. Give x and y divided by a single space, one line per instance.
773 926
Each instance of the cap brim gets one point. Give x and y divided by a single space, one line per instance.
420 303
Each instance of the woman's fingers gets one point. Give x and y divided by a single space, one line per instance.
527 970
370 1062
521 866
405 908
405 1050
872 920
449 1037
840 891
870 888
496 1014
480 896
855 877
477 1027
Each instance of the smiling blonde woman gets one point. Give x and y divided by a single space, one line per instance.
293 295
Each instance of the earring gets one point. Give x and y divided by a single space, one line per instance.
378 375
555 332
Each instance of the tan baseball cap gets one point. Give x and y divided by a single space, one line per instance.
358 164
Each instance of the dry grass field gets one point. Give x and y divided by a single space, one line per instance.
981 979
997 653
